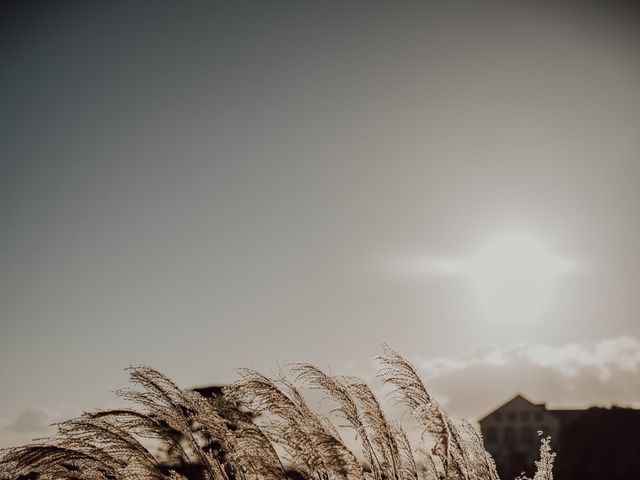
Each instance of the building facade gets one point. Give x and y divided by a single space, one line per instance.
511 436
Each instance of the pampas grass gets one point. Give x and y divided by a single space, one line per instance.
262 428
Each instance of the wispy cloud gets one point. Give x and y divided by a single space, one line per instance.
30 421
571 374
29 424
604 357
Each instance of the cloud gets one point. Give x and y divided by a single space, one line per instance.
605 357
568 375
30 421
26 425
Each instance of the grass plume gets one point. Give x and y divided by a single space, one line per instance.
261 428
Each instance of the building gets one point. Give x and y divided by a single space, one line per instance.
510 433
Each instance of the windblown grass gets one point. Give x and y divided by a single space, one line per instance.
262 428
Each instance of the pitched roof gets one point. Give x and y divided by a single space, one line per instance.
517 397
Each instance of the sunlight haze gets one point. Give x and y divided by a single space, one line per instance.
205 186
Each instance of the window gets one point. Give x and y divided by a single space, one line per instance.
511 416
510 435
527 435
492 434
526 416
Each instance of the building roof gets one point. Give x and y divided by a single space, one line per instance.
517 397
566 416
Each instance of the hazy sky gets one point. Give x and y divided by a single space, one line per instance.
202 186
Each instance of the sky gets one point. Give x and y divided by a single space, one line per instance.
202 186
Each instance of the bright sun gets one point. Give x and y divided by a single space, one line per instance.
513 276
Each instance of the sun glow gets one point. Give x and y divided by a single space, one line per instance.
513 276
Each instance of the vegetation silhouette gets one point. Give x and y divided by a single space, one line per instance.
262 428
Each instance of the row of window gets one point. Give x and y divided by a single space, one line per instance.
510 434
511 416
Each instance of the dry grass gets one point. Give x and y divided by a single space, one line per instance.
257 428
